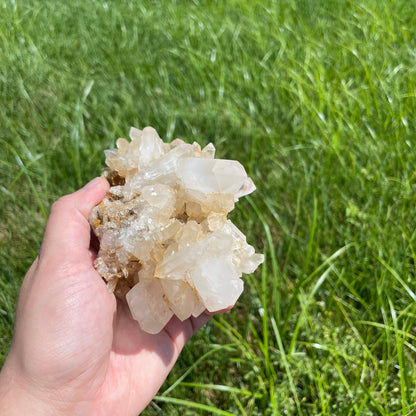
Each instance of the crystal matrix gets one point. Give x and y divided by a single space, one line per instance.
166 244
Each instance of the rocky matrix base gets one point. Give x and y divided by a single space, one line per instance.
166 244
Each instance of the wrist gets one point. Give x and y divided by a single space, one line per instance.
16 398
19 397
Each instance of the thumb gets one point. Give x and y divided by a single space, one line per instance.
67 233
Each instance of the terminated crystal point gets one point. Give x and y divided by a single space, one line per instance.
166 244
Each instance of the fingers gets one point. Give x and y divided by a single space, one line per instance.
200 321
180 332
207 312
67 233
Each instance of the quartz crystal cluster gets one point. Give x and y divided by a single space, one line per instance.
166 244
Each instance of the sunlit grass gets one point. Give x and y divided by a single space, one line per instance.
317 100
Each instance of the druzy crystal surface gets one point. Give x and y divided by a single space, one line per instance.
166 244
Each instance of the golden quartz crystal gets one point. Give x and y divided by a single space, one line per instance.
166 244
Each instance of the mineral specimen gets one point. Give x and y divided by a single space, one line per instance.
166 244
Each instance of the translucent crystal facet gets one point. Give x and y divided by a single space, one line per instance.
166 245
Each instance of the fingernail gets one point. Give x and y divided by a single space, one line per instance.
92 183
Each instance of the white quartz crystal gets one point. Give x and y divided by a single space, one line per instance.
166 244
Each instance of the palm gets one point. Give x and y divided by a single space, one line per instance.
71 335
92 345
137 363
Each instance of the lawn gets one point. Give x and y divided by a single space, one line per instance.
317 100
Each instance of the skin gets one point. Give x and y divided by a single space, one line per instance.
75 349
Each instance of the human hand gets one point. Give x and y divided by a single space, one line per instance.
75 349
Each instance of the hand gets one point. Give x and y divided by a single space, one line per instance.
75 349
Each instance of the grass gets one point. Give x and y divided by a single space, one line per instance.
317 100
